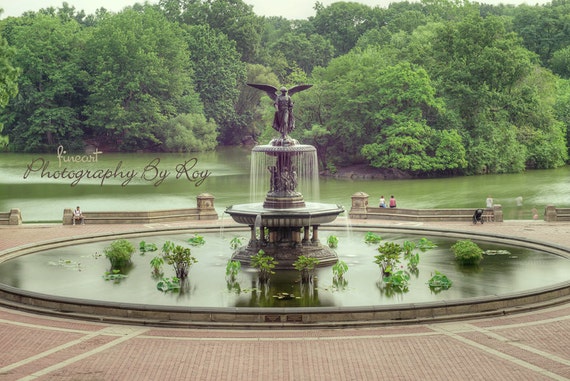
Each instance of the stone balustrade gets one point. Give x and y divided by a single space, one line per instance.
554 214
362 210
13 217
204 211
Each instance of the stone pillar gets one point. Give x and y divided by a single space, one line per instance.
315 233
550 213
498 213
359 205
306 234
15 217
206 210
67 216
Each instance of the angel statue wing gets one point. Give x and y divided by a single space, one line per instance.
270 90
298 88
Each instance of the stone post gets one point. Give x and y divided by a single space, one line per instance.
67 216
550 213
359 205
498 213
206 210
15 217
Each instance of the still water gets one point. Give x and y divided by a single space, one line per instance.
42 185
78 272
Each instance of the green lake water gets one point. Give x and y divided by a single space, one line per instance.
42 185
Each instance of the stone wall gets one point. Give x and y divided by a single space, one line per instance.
362 210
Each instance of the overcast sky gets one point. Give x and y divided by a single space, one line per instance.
290 9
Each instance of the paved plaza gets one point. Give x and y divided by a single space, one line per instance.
531 345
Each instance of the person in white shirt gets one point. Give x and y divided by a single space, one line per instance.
78 216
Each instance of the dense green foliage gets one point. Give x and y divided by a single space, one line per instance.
431 88
119 253
467 252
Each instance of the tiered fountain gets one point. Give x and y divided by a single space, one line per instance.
284 226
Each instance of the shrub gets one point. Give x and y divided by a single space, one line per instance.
439 282
388 258
339 269
332 241
264 265
371 238
467 252
119 253
306 265
179 257
232 270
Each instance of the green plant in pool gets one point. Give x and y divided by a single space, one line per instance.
179 257
388 258
332 241
467 252
339 269
236 243
397 280
264 264
119 253
439 282
114 275
156 264
196 240
169 284
146 247
232 270
372 238
306 265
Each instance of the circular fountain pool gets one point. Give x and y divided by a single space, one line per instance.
71 278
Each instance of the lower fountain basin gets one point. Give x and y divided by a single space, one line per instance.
503 289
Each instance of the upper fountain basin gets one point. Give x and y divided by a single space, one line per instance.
313 213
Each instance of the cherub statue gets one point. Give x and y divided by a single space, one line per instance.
283 121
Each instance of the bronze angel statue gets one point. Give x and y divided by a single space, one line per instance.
284 120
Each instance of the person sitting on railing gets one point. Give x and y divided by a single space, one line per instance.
78 216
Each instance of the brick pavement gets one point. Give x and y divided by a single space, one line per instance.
527 346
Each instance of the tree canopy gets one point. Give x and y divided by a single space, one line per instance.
431 88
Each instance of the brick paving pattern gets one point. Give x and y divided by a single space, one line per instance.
533 345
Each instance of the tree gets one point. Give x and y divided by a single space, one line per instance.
46 112
234 18
342 23
141 76
219 72
8 79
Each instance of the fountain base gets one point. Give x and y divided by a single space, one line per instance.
285 234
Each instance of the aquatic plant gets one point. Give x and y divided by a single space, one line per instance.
264 264
306 265
467 252
372 238
179 257
119 253
332 241
439 282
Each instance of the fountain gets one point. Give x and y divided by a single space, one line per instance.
284 226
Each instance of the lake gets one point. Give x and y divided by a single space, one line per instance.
42 185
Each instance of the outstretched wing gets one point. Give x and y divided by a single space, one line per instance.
270 90
296 89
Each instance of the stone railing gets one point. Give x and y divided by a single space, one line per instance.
13 217
204 211
361 210
554 214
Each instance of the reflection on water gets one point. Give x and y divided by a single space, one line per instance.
78 271
43 199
